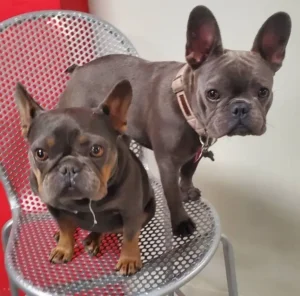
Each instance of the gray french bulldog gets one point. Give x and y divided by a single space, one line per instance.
229 91
83 170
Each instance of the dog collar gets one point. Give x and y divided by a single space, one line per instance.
178 89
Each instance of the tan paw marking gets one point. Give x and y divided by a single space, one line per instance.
61 254
129 265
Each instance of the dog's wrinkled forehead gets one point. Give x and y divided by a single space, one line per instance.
236 70
65 125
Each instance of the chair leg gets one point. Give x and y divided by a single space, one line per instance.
179 293
176 293
230 266
14 291
5 233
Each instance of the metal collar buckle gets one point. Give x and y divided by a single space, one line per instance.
206 142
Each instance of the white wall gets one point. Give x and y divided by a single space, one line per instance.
254 183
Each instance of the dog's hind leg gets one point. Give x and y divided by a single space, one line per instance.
91 243
188 191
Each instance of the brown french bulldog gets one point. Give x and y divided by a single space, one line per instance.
84 171
229 92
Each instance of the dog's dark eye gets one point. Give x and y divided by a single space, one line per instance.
213 95
263 92
96 151
40 154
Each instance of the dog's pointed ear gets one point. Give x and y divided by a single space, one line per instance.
27 106
272 38
117 104
203 37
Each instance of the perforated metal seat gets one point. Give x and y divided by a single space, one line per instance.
36 49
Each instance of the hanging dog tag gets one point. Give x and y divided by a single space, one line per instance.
203 149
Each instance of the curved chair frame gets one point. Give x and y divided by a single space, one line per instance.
57 39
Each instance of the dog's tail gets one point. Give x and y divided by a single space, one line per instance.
71 69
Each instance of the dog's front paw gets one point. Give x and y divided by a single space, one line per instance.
129 265
61 254
91 243
184 228
191 193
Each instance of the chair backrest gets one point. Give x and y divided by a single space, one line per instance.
36 49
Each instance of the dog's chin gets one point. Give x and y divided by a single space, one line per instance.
71 193
73 201
240 130
235 130
82 201
245 130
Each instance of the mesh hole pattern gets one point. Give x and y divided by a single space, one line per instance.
36 49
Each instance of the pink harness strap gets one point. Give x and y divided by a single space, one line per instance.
178 89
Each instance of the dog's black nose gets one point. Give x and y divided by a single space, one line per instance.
70 169
240 109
